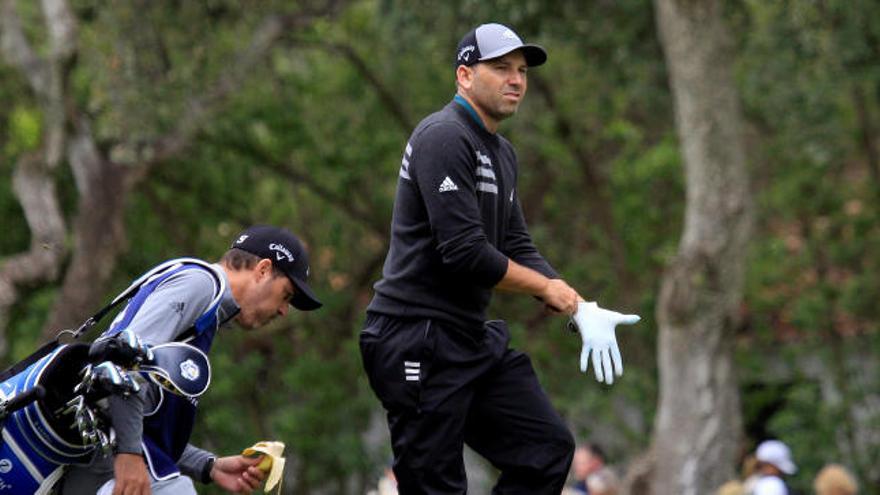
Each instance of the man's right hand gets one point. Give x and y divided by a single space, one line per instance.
130 474
560 297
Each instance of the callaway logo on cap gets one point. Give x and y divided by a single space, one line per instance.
494 40
287 254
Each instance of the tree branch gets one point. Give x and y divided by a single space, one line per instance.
18 51
296 176
200 109
35 190
62 28
386 96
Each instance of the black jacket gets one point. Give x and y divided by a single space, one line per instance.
456 220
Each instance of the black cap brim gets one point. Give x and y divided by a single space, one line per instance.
535 55
303 298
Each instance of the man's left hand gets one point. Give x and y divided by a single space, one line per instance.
237 474
596 326
130 475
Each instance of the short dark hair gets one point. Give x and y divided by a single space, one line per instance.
239 259
596 450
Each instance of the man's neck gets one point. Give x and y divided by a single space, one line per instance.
235 279
484 120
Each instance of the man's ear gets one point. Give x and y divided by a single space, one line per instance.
263 268
464 76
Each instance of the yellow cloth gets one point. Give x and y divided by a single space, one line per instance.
273 463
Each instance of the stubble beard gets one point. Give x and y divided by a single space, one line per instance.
502 110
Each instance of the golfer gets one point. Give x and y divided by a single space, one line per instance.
445 375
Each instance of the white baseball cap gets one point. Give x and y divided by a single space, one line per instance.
494 40
776 453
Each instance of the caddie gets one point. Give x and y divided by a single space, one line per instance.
187 300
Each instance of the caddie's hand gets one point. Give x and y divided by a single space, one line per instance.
558 296
237 473
596 326
130 475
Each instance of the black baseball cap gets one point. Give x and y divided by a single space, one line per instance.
494 40
287 254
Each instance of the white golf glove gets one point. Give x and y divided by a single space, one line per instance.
596 326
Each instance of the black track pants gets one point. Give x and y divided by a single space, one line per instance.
443 387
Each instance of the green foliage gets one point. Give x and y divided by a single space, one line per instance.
803 73
25 127
28 317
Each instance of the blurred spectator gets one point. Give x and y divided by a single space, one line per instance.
835 479
603 482
387 484
746 482
588 459
732 487
750 473
774 461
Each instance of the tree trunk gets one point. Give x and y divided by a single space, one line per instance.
699 423
33 182
98 233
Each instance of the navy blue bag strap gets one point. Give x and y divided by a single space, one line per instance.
33 358
54 343
123 296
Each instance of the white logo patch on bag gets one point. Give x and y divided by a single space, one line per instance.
190 370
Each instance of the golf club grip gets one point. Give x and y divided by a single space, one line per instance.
22 400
